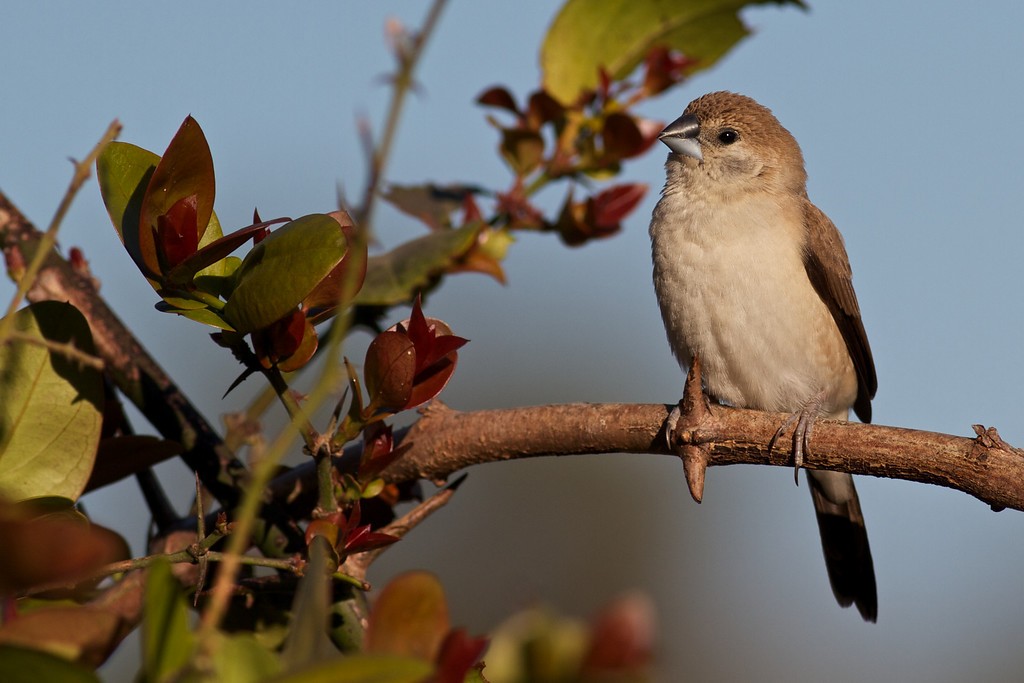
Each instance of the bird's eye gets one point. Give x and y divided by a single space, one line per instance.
728 136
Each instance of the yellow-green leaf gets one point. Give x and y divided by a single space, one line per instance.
617 34
279 272
22 665
394 277
51 410
364 669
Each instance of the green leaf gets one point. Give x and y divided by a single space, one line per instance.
617 35
51 411
21 665
364 669
394 277
195 311
279 272
123 171
241 659
167 643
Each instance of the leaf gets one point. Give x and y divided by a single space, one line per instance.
364 669
82 634
213 252
185 169
281 271
167 642
177 232
122 456
430 203
499 97
22 665
459 652
394 277
616 35
345 279
410 618
123 171
606 209
435 354
44 544
288 343
522 149
51 411
241 659
205 316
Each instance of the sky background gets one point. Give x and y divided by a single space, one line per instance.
906 113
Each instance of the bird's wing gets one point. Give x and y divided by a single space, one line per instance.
828 268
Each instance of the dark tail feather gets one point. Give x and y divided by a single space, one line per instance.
844 541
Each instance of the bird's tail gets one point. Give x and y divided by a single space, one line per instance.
844 540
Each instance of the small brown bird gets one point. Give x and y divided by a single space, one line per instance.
754 279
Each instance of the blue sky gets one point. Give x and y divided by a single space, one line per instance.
906 113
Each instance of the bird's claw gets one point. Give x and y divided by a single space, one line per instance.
803 426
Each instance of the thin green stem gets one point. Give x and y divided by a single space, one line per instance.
83 169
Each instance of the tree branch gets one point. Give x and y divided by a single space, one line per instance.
445 441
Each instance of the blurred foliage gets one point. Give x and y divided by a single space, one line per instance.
263 288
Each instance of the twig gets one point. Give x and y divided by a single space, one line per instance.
403 82
83 169
66 349
357 565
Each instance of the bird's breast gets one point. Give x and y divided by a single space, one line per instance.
733 289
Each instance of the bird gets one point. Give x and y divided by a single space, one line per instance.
754 280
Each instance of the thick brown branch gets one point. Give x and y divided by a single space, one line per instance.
445 441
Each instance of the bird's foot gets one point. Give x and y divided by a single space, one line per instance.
802 423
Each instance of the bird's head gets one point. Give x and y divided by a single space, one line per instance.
732 140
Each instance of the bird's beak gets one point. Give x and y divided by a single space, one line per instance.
680 136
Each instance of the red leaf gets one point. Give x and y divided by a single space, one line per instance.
665 68
622 637
362 539
177 233
345 279
498 97
470 209
185 169
609 207
378 450
543 108
322 527
459 652
290 342
622 136
217 250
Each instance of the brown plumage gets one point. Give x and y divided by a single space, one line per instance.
755 280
